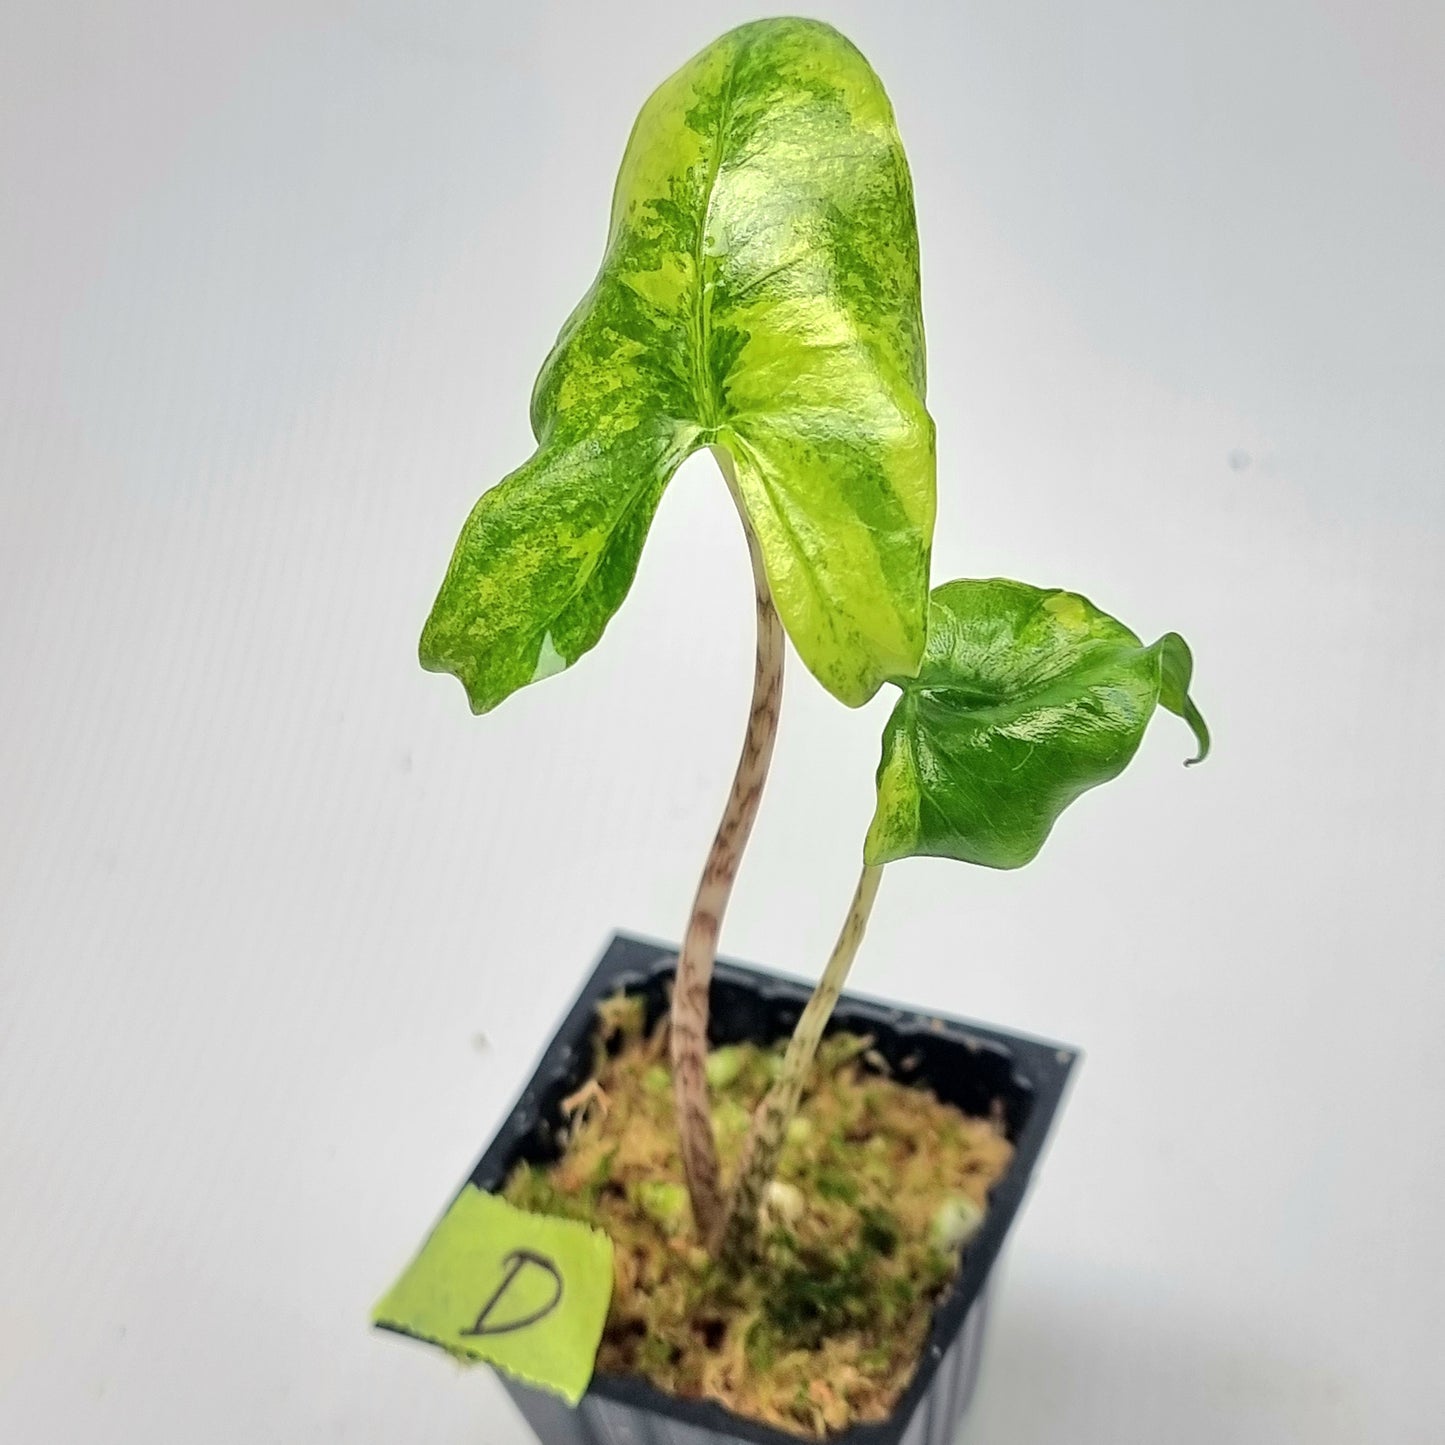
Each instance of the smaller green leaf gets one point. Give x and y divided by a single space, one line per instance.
1026 699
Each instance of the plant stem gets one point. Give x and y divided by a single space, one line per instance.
764 1145
700 943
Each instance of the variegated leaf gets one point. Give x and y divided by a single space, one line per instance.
759 293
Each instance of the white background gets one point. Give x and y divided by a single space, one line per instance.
282 926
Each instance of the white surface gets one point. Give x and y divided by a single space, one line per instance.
275 280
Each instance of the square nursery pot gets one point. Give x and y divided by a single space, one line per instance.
966 1064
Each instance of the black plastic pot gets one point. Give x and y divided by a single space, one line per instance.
974 1067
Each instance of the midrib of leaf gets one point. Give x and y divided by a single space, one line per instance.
703 268
704 384
1062 688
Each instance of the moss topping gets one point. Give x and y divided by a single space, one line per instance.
860 1237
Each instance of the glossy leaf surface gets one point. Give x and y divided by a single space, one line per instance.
759 293
1026 699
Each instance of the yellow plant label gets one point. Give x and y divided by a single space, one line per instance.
526 1293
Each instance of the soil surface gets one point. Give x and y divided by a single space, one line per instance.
877 1187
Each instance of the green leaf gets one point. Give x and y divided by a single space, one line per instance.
1026 699
759 293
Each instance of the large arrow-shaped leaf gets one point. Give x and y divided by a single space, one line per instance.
1026 698
759 293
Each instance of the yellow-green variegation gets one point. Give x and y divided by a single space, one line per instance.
1026 699
759 294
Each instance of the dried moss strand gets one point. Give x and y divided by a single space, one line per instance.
759 1162
700 942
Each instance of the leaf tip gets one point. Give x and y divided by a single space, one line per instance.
1200 729
1176 672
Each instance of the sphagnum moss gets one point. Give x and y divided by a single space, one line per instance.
827 1327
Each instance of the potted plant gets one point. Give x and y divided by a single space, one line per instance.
770 1209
